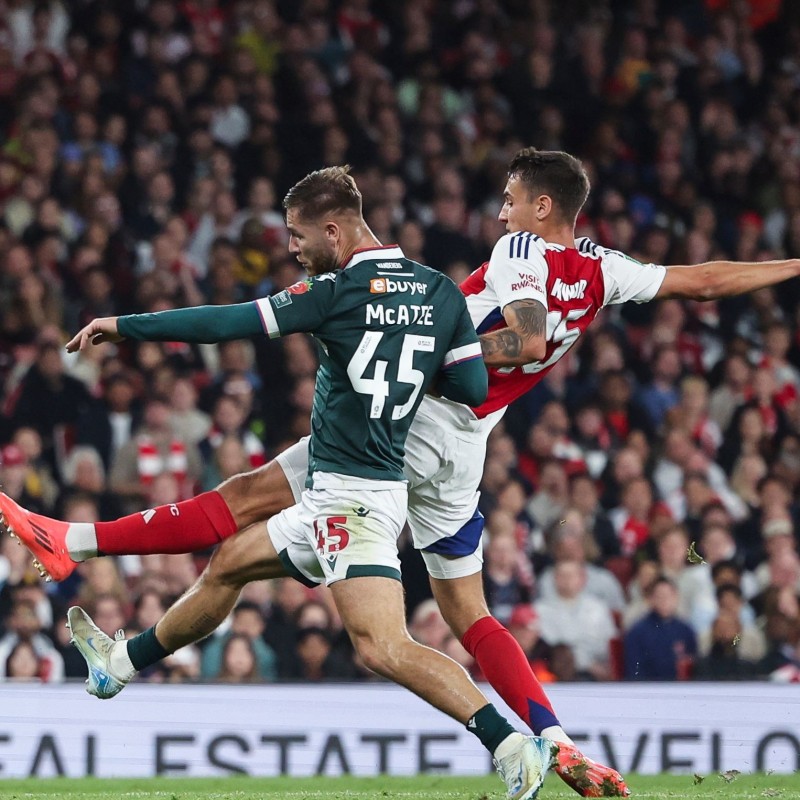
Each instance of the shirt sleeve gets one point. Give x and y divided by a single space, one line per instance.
301 308
518 269
625 277
203 324
466 382
463 376
464 344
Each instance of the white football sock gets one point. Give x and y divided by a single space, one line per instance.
555 733
508 745
81 541
120 662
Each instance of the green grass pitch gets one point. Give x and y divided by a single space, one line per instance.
428 787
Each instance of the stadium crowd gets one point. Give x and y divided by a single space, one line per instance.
641 503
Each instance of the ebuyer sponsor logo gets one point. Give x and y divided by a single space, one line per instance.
389 286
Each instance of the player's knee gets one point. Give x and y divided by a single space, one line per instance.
378 655
236 491
256 495
225 566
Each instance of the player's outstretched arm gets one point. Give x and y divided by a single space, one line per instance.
203 324
716 279
523 341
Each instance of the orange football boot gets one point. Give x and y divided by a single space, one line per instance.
587 777
44 537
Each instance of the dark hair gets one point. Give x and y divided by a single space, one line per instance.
723 565
327 191
773 478
554 173
661 580
247 605
305 633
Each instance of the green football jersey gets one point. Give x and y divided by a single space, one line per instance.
385 326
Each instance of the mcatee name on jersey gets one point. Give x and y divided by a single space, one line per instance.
401 315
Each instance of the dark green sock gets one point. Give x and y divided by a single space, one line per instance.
489 727
145 650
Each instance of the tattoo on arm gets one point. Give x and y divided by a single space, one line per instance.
204 624
526 320
501 343
528 317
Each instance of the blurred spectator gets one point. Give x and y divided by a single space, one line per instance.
23 664
188 422
14 477
661 394
550 499
247 623
280 630
317 657
584 497
153 449
229 419
576 618
238 661
571 541
660 646
732 392
501 579
723 657
748 638
427 626
631 519
23 626
691 412
84 479
48 400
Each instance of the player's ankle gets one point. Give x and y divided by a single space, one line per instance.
120 661
556 734
81 541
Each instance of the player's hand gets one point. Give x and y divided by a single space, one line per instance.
102 329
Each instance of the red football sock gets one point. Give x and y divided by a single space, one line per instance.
505 665
185 527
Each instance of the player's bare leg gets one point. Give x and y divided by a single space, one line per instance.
505 666
185 527
246 557
373 613
257 495
461 601
249 556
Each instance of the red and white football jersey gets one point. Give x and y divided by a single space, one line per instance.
573 284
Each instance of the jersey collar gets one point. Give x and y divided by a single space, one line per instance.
371 253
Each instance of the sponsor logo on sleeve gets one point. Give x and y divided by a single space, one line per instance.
527 281
282 299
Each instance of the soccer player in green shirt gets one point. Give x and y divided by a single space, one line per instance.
388 328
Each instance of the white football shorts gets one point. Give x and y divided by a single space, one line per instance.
344 527
445 453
